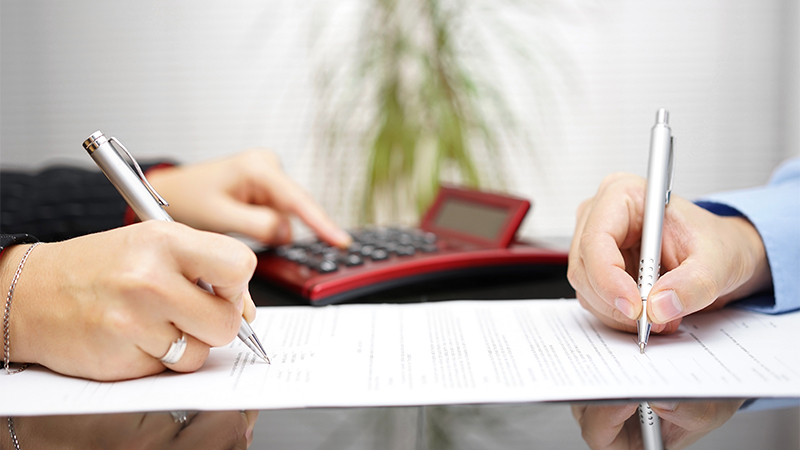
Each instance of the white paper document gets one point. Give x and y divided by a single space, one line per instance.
446 353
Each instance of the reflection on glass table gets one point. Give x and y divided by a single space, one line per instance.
157 430
718 424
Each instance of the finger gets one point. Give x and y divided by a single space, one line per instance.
685 422
620 314
688 288
193 357
257 221
289 197
607 315
324 226
578 409
603 426
205 316
159 339
213 430
249 311
611 226
252 417
697 415
162 427
221 261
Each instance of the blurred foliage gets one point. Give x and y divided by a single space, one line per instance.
425 98
429 115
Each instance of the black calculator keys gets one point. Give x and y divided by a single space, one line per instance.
375 244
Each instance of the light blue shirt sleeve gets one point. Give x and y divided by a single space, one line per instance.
774 210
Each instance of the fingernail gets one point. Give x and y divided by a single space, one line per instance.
667 406
249 437
666 306
625 307
249 311
239 303
343 238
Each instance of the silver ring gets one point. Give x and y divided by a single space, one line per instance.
179 417
175 351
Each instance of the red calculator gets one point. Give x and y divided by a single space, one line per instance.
464 231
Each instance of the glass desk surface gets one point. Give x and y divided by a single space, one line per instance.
765 424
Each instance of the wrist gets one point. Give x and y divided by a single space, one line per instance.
16 278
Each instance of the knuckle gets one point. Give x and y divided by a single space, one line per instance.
229 328
195 359
242 258
121 321
707 285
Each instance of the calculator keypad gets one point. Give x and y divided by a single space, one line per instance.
373 244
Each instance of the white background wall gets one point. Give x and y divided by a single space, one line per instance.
197 79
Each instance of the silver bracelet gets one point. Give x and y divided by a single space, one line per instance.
7 315
13 433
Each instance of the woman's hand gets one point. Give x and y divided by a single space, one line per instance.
223 430
107 306
706 260
248 194
616 426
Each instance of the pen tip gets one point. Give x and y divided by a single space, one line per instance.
641 347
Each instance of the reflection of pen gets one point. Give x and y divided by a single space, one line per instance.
659 184
651 428
146 203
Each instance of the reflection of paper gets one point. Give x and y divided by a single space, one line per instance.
447 353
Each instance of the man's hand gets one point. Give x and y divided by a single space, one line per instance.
706 260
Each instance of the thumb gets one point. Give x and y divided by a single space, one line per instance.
688 288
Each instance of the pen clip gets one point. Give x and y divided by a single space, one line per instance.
671 169
138 169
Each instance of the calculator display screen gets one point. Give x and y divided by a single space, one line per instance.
485 221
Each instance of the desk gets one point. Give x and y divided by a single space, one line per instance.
500 426
515 426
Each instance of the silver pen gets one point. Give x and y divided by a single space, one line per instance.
660 171
146 203
650 425
659 185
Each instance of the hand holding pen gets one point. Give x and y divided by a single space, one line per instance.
107 305
706 260
709 260
148 205
615 426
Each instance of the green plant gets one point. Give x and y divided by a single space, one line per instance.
419 109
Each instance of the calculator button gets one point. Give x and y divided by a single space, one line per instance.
367 250
331 254
405 250
297 255
405 239
326 266
379 254
428 248
318 248
353 259
389 246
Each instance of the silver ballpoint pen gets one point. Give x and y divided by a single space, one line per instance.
659 186
660 173
146 203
